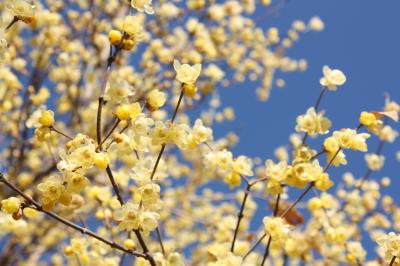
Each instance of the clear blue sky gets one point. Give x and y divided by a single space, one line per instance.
362 38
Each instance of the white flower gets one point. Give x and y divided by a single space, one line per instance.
332 78
185 73
143 6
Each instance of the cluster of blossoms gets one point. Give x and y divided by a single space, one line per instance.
106 136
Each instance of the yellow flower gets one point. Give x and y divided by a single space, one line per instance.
10 205
51 191
349 139
390 244
42 133
22 9
332 78
128 111
331 144
189 89
101 160
316 24
133 28
375 161
187 74
46 118
243 165
143 5
313 123
367 119
356 252
233 180
276 173
76 182
148 221
128 216
115 37
277 228
337 235
323 182
156 99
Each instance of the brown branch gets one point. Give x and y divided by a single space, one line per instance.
392 261
240 216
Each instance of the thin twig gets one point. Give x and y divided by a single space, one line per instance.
111 131
316 106
240 216
61 133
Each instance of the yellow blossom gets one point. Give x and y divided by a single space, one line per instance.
10 205
156 99
46 118
143 6
323 182
185 73
313 123
390 244
277 228
367 119
332 78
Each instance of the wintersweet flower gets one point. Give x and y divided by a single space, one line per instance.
277 228
143 6
367 119
374 161
313 123
51 191
133 28
22 9
349 139
46 118
332 78
128 216
10 205
390 244
316 24
323 182
156 99
187 74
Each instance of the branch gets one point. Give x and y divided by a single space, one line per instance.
240 216
392 261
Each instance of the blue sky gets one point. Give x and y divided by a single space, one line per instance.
362 38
